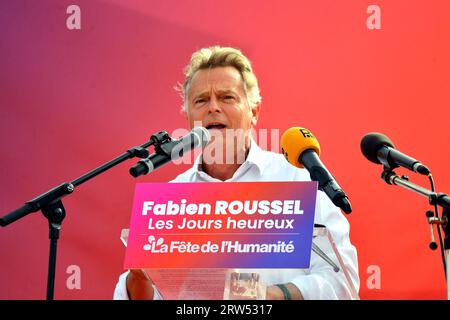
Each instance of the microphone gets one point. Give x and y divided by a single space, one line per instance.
378 148
301 149
171 150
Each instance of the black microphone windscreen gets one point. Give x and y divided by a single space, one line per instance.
371 143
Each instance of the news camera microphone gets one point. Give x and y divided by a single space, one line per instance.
301 149
378 148
171 150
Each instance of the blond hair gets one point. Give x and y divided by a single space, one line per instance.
217 56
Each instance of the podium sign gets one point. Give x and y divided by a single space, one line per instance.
222 225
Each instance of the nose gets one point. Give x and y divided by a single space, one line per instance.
213 105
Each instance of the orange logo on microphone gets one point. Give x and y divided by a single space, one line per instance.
306 133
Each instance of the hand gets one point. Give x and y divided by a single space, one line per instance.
139 285
274 293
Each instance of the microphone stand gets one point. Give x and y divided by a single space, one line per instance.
440 199
51 205
446 228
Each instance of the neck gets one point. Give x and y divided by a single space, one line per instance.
221 171
225 171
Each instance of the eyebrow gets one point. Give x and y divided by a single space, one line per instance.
224 91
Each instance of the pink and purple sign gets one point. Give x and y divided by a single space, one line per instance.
222 225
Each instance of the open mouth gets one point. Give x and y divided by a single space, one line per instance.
216 126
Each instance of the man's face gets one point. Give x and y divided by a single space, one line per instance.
217 99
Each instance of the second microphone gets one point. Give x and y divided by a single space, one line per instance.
301 149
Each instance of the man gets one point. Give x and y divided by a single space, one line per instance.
221 93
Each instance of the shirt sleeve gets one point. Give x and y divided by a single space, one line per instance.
120 293
321 282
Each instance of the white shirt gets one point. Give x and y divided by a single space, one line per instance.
319 281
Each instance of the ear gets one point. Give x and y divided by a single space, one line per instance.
191 123
255 114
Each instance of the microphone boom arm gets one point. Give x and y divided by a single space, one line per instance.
441 199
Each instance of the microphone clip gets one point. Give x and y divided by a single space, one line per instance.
388 175
159 138
156 140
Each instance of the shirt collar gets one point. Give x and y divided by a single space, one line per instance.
255 158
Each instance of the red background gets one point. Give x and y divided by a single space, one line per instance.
71 100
